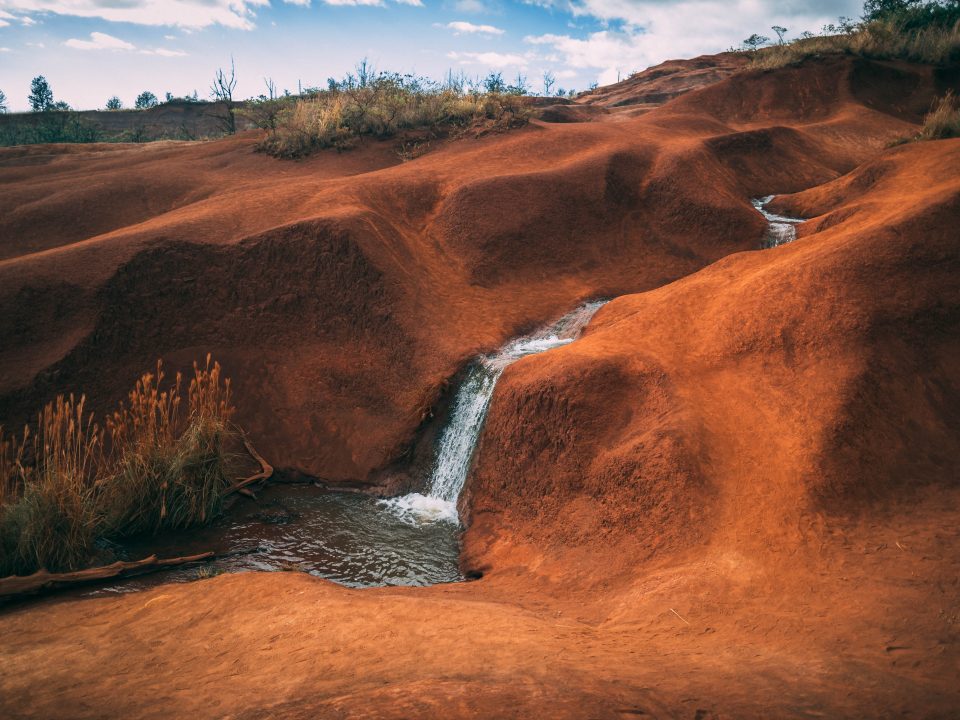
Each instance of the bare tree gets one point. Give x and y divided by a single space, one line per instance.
548 82
222 91
271 88
780 31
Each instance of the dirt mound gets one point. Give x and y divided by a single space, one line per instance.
658 84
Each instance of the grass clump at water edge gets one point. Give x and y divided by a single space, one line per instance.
154 465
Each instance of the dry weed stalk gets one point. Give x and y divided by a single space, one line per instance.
152 467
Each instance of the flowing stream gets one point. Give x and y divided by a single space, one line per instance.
355 539
458 440
358 540
780 229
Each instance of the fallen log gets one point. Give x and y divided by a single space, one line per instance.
42 579
266 471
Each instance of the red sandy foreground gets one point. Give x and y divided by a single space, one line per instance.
736 496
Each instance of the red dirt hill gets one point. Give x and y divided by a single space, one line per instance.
736 496
342 292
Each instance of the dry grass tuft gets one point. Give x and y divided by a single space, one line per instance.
168 471
879 39
943 121
381 106
48 518
154 467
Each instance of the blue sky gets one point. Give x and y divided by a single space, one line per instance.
90 50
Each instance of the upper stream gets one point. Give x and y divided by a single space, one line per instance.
780 229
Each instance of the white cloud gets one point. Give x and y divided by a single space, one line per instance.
99 41
460 26
492 59
169 37
642 33
471 6
5 49
164 52
27 21
181 13
371 3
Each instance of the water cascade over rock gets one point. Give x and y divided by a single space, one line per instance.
781 229
458 440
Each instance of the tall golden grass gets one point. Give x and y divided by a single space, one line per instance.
153 466
943 121
382 107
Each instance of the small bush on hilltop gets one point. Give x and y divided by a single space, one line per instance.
927 32
380 105
153 466
943 121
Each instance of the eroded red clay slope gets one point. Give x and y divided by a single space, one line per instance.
736 496
342 293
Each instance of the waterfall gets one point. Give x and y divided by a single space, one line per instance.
459 438
780 229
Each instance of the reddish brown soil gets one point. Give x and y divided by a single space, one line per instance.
661 83
736 496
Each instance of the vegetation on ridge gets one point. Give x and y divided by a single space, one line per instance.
943 121
915 30
68 481
381 105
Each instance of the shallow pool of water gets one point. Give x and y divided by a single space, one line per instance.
349 538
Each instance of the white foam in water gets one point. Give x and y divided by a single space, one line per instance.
419 508
458 440
781 229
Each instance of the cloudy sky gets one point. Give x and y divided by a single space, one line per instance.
92 49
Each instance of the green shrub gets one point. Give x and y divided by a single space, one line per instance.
52 126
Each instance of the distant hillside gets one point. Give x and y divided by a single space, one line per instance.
175 120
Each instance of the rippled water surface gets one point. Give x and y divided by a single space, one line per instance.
349 538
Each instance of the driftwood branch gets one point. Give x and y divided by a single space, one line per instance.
266 471
42 579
